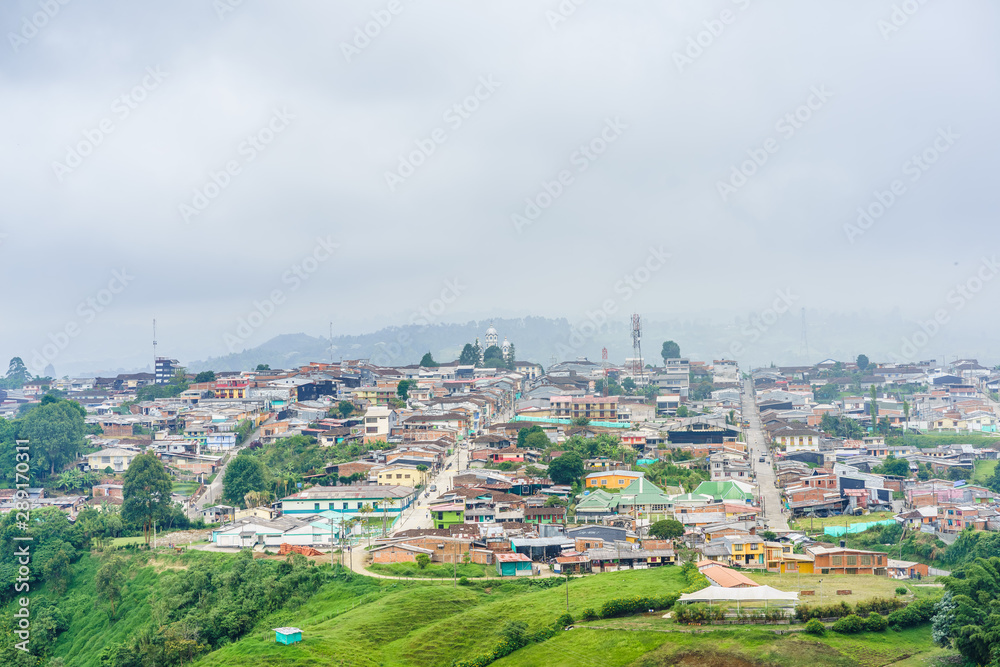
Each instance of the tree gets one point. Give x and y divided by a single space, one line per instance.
671 350
345 408
56 429
493 357
537 440
469 356
566 469
146 493
769 535
108 584
423 560
205 376
828 392
580 421
666 529
893 466
862 362
682 411
427 361
17 372
628 384
244 474
906 415
873 408
523 434
403 389
511 357
263 367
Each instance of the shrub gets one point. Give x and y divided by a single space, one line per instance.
463 581
881 605
849 625
876 622
901 590
815 627
917 612
589 614
635 605
805 612
564 620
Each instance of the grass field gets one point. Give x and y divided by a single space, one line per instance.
185 488
410 623
816 524
435 570
862 586
731 647
984 470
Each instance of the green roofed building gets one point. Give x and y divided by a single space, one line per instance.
596 505
643 499
730 490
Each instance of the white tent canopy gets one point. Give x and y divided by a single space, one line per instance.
751 594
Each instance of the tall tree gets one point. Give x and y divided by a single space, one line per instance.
493 357
403 389
244 474
108 584
146 493
671 350
263 367
205 376
666 529
874 406
345 408
469 356
55 429
17 372
566 469
862 362
511 357
427 361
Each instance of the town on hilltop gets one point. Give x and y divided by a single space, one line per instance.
760 482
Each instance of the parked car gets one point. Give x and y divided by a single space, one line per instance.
433 487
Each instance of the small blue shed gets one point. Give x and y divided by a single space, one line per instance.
287 635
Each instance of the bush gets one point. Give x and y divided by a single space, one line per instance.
901 590
917 612
636 605
881 605
805 612
589 614
849 625
564 620
815 627
463 581
876 622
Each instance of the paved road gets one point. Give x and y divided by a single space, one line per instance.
213 491
417 516
758 446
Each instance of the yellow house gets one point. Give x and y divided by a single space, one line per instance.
402 476
117 459
611 479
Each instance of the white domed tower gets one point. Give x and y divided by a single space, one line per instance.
491 336
505 348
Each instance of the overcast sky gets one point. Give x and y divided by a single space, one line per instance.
191 161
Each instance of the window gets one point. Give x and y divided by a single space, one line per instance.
316 506
852 560
866 560
737 547
331 506
836 560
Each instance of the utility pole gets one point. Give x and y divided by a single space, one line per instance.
567 592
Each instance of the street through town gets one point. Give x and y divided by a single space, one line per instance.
757 446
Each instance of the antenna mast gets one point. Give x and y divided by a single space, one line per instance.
636 345
154 350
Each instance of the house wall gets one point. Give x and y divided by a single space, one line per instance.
394 555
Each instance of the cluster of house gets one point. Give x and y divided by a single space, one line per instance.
956 398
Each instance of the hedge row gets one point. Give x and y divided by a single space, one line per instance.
882 606
635 605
